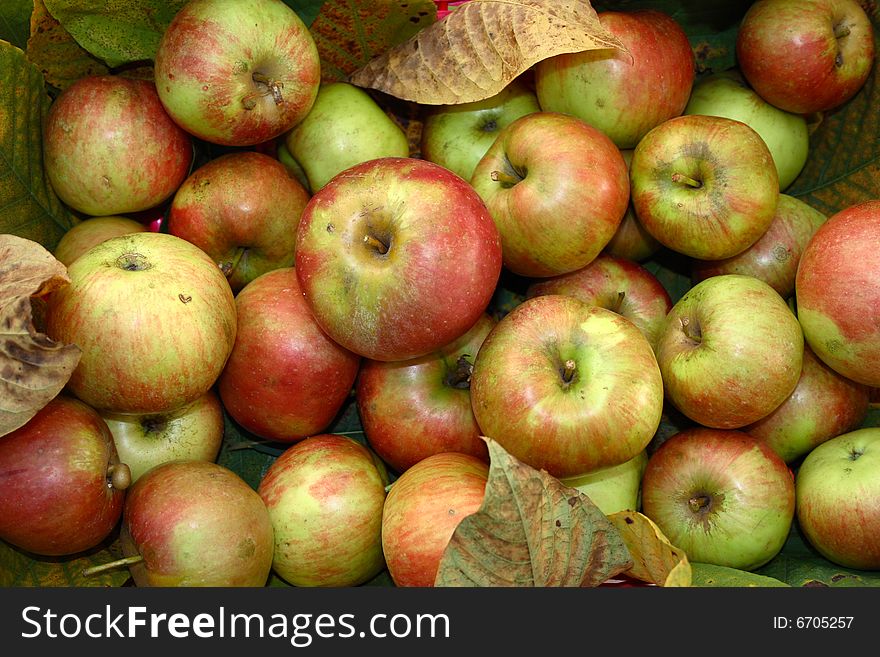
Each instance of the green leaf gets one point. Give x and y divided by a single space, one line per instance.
15 17
18 568
29 207
307 10
709 575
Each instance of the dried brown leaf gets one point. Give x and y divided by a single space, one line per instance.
33 368
655 559
481 47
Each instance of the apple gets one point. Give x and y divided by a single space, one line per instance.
557 189
458 136
237 73
397 257
805 57
195 523
566 386
823 405
344 127
730 352
775 256
617 284
80 237
423 508
838 499
631 240
414 408
285 378
722 496
154 318
61 483
242 209
623 95
194 431
616 488
728 94
325 497
294 168
109 146
838 292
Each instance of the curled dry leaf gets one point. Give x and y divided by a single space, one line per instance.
33 368
481 47
655 559
531 530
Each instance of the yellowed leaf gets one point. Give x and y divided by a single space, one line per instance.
33 368
481 47
655 559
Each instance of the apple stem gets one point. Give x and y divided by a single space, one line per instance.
376 244
687 180
568 370
841 30
229 266
619 302
112 565
273 88
699 503
119 475
505 178
691 330
460 377
388 487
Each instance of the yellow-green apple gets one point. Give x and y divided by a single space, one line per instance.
557 189
722 496
458 136
631 240
109 146
613 489
61 483
154 318
325 497
242 209
728 94
838 292
237 72
423 508
704 186
838 499
414 408
196 523
731 351
823 405
344 127
194 431
566 386
805 56
775 256
80 237
623 94
285 378
397 257
294 168
617 284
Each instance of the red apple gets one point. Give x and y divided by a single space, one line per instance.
631 240
285 378
82 236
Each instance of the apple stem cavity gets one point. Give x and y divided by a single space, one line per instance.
119 476
133 262
376 244
699 504
460 377
568 371
687 180
112 565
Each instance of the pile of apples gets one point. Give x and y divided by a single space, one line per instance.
316 258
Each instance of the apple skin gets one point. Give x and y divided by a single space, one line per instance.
458 136
623 97
242 209
194 431
823 405
726 197
789 52
731 352
617 284
325 497
237 73
838 292
423 508
196 523
344 127
614 489
82 236
556 188
381 279
838 499
109 146
61 483
412 409
154 318
722 496
599 411
631 240
728 94
775 256
285 378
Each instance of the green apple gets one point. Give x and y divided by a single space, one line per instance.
616 488
727 94
344 127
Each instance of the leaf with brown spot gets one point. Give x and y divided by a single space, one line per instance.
655 559
708 575
33 368
531 530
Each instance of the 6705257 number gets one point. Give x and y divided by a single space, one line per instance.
813 622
